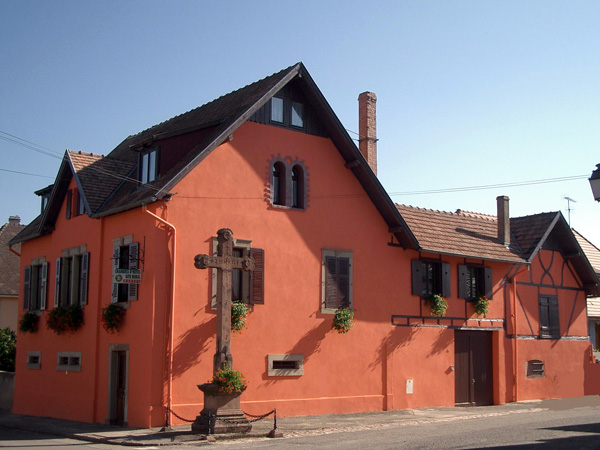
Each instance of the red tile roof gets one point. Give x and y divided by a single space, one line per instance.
591 251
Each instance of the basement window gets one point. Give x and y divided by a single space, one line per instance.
535 369
285 365
34 360
69 361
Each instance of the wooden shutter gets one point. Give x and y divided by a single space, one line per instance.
83 279
462 281
553 322
134 251
417 277
343 282
57 282
488 282
26 288
69 203
257 277
445 280
114 298
44 286
331 301
337 282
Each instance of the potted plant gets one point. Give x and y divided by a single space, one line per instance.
481 306
437 305
112 317
239 312
65 318
343 320
230 381
29 322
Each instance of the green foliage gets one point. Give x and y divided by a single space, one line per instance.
239 312
481 306
230 381
437 305
8 349
65 318
29 322
343 320
112 317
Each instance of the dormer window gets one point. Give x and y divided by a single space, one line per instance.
297 115
277 110
149 166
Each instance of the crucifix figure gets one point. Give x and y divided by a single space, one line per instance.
224 262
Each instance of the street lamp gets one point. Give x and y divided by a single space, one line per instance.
595 183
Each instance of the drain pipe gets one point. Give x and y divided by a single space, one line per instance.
516 336
172 316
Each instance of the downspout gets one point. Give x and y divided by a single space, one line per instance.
172 316
516 336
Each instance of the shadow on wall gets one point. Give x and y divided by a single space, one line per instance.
442 342
396 338
191 345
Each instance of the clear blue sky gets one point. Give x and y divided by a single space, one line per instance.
470 93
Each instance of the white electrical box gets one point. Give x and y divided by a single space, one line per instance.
409 386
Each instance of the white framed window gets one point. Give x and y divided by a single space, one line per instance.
149 166
277 109
285 365
297 115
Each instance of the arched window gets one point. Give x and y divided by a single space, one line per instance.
278 184
297 187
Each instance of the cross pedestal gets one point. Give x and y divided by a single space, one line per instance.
222 412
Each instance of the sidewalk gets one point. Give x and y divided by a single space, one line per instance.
289 426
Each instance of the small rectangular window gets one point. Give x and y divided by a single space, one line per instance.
285 365
297 114
69 361
277 109
34 360
535 369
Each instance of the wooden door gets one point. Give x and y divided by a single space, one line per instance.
119 388
473 368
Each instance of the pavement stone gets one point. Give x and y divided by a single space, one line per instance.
289 426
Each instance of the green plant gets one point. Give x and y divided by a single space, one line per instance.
481 306
29 322
8 349
437 305
230 381
239 312
65 318
112 317
343 320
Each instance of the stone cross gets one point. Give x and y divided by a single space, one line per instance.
224 262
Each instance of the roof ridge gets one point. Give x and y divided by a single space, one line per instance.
458 212
79 152
477 215
212 101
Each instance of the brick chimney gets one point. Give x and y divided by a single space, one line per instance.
503 220
14 220
367 128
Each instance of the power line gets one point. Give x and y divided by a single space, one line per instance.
30 145
25 173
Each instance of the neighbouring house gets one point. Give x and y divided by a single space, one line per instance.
593 303
272 162
9 274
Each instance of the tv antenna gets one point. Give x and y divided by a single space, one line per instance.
569 200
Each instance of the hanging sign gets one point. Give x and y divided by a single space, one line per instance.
127 276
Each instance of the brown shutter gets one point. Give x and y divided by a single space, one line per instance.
544 317
331 301
69 203
553 322
44 286
26 288
257 277
417 277
445 280
134 251
343 282
462 281
57 282
83 278
488 282
114 298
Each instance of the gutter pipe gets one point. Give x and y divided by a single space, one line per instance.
172 315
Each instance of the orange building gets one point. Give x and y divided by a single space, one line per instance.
272 162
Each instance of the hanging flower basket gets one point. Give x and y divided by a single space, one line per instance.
239 312
481 306
113 317
29 322
230 381
343 320
65 318
437 305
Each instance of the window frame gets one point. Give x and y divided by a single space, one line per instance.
419 282
297 359
297 115
148 173
34 360
272 110
338 255
288 184
68 361
35 285
535 368
485 282
71 277
123 292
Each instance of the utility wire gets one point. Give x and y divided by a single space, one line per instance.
25 173
30 145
